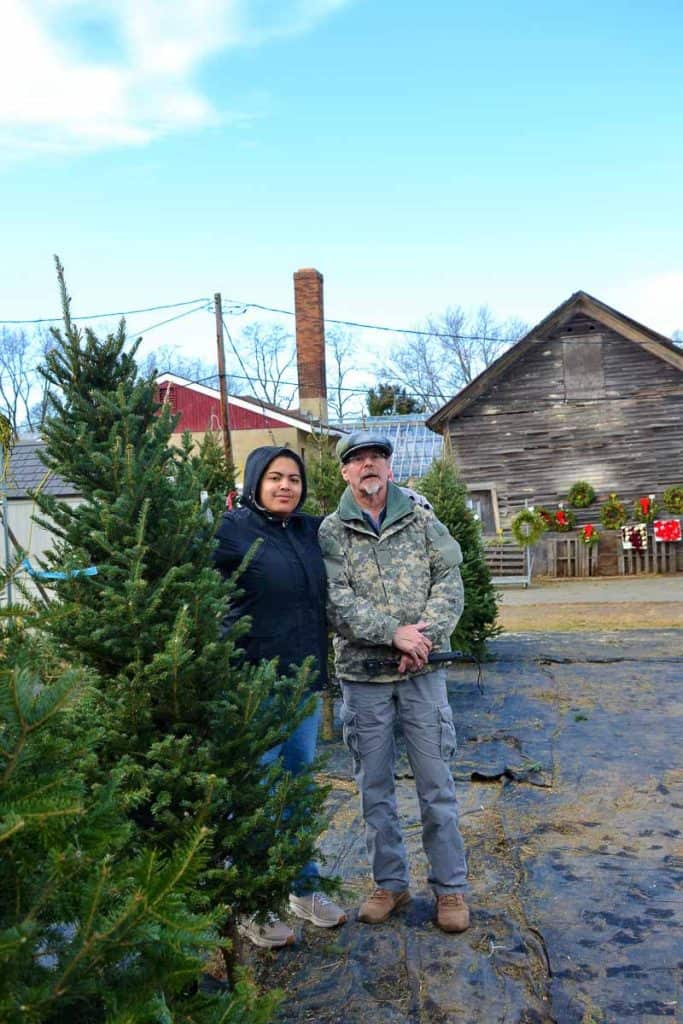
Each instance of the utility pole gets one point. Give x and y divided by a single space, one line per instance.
222 378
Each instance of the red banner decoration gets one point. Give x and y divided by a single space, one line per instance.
667 529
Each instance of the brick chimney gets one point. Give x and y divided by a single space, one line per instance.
310 343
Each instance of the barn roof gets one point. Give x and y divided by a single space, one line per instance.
578 303
285 417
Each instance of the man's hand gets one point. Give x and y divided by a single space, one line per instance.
407 665
414 646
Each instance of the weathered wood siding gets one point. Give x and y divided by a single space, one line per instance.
533 437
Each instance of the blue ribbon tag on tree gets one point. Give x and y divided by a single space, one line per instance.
40 574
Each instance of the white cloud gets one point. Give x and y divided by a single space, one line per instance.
77 75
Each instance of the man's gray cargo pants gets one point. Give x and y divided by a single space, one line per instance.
368 715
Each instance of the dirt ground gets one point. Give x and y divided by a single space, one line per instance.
612 603
585 616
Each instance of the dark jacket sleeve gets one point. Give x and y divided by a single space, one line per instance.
226 556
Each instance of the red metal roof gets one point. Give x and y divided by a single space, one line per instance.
200 412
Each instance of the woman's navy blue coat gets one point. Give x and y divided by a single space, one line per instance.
283 586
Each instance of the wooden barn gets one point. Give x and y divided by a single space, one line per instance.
588 394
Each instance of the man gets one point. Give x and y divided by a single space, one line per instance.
394 594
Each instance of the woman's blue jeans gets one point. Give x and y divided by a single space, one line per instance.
297 753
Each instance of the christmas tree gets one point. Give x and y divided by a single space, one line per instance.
448 495
93 926
216 471
325 482
184 720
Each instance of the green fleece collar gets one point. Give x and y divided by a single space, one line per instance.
398 506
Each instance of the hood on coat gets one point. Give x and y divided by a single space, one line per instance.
257 463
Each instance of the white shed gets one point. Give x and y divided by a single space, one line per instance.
26 474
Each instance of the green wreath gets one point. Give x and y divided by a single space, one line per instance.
527 527
612 513
581 494
673 499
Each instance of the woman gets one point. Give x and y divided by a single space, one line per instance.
283 592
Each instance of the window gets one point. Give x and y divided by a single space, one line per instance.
483 501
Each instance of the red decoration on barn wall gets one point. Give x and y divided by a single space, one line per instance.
667 529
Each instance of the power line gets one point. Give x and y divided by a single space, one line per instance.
243 306
179 316
34 371
122 312
284 383
205 304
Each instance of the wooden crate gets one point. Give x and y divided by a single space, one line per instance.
569 557
508 563
668 556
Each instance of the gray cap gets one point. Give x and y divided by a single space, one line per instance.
346 446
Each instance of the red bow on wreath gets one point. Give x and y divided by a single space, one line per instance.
560 518
644 505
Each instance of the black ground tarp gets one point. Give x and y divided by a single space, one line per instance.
569 775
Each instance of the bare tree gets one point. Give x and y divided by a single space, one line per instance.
435 365
167 359
263 363
22 392
341 348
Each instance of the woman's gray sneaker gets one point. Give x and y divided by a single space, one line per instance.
317 908
268 934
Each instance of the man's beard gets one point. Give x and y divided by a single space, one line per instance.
371 486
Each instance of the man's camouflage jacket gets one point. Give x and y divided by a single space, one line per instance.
376 583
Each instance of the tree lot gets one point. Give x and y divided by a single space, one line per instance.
136 819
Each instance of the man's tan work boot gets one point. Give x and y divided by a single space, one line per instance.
381 905
452 913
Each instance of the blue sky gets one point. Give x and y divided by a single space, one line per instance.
419 155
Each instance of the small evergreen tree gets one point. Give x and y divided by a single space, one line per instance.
183 718
93 928
448 495
216 472
325 482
